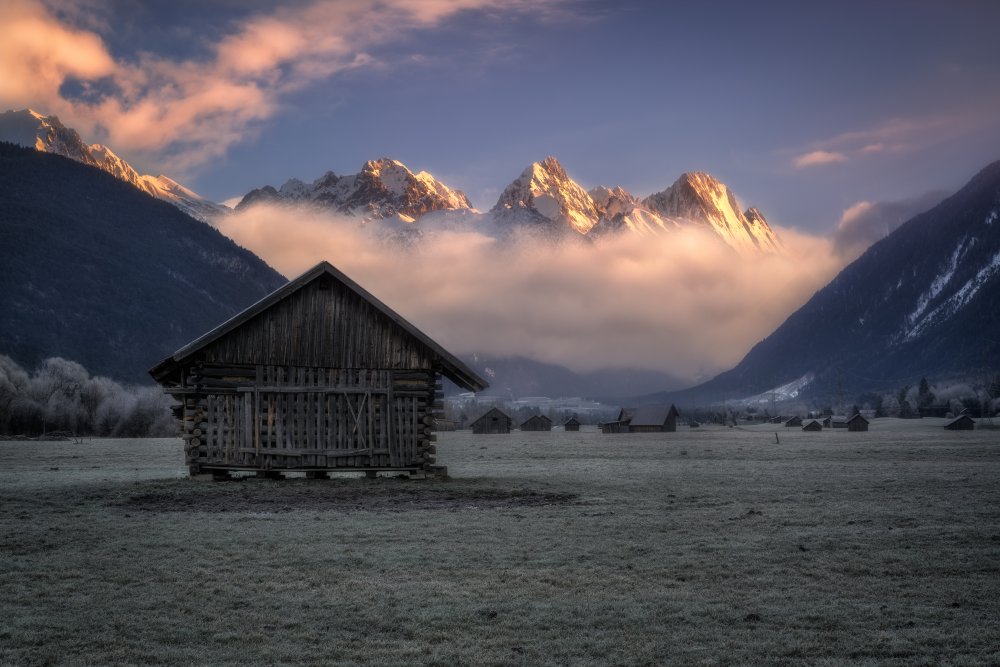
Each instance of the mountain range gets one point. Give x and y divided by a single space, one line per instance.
923 301
543 198
94 270
48 135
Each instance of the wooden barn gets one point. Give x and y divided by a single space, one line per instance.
857 423
620 424
537 423
572 424
793 421
492 422
317 376
653 419
838 421
963 422
813 425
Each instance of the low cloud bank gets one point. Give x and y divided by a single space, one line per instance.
683 303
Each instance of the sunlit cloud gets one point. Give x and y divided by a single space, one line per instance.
814 158
681 303
181 113
864 222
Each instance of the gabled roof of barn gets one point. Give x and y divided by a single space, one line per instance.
534 418
652 415
960 418
452 367
858 416
489 412
572 420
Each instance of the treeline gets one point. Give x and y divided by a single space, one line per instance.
60 395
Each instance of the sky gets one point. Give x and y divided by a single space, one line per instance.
805 109
837 119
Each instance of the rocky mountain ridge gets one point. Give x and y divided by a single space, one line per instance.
922 302
383 188
47 134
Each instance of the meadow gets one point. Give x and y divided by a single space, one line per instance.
709 546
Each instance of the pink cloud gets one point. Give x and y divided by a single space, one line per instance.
583 305
815 158
184 112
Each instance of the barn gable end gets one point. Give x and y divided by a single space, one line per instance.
318 375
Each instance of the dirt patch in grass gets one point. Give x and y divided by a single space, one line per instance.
263 496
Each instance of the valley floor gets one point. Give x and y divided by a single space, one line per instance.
705 546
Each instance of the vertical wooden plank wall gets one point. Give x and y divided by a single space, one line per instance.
270 417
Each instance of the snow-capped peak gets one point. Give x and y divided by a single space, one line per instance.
48 135
545 189
383 188
700 198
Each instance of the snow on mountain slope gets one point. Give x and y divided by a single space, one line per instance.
383 188
545 192
545 189
48 135
701 199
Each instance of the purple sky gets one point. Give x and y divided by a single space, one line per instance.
802 108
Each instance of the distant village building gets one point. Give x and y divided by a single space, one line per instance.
644 419
537 423
572 424
492 422
620 424
654 419
813 425
857 423
962 422
317 376
445 425
793 421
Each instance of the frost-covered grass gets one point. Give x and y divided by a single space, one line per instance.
707 546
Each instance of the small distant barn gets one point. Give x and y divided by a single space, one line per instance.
572 424
813 425
537 423
962 422
647 419
838 421
793 421
492 422
653 419
857 423
776 420
445 425
317 376
620 424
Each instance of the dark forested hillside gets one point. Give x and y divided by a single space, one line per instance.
924 301
95 271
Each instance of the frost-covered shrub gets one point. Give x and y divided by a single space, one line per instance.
61 396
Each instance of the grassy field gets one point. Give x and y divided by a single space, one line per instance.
706 546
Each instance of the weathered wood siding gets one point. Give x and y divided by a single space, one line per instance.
323 325
270 417
537 423
491 423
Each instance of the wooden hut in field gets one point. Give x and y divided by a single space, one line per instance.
620 424
813 425
962 422
317 376
492 422
838 421
793 421
537 423
857 423
572 424
653 419
644 419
